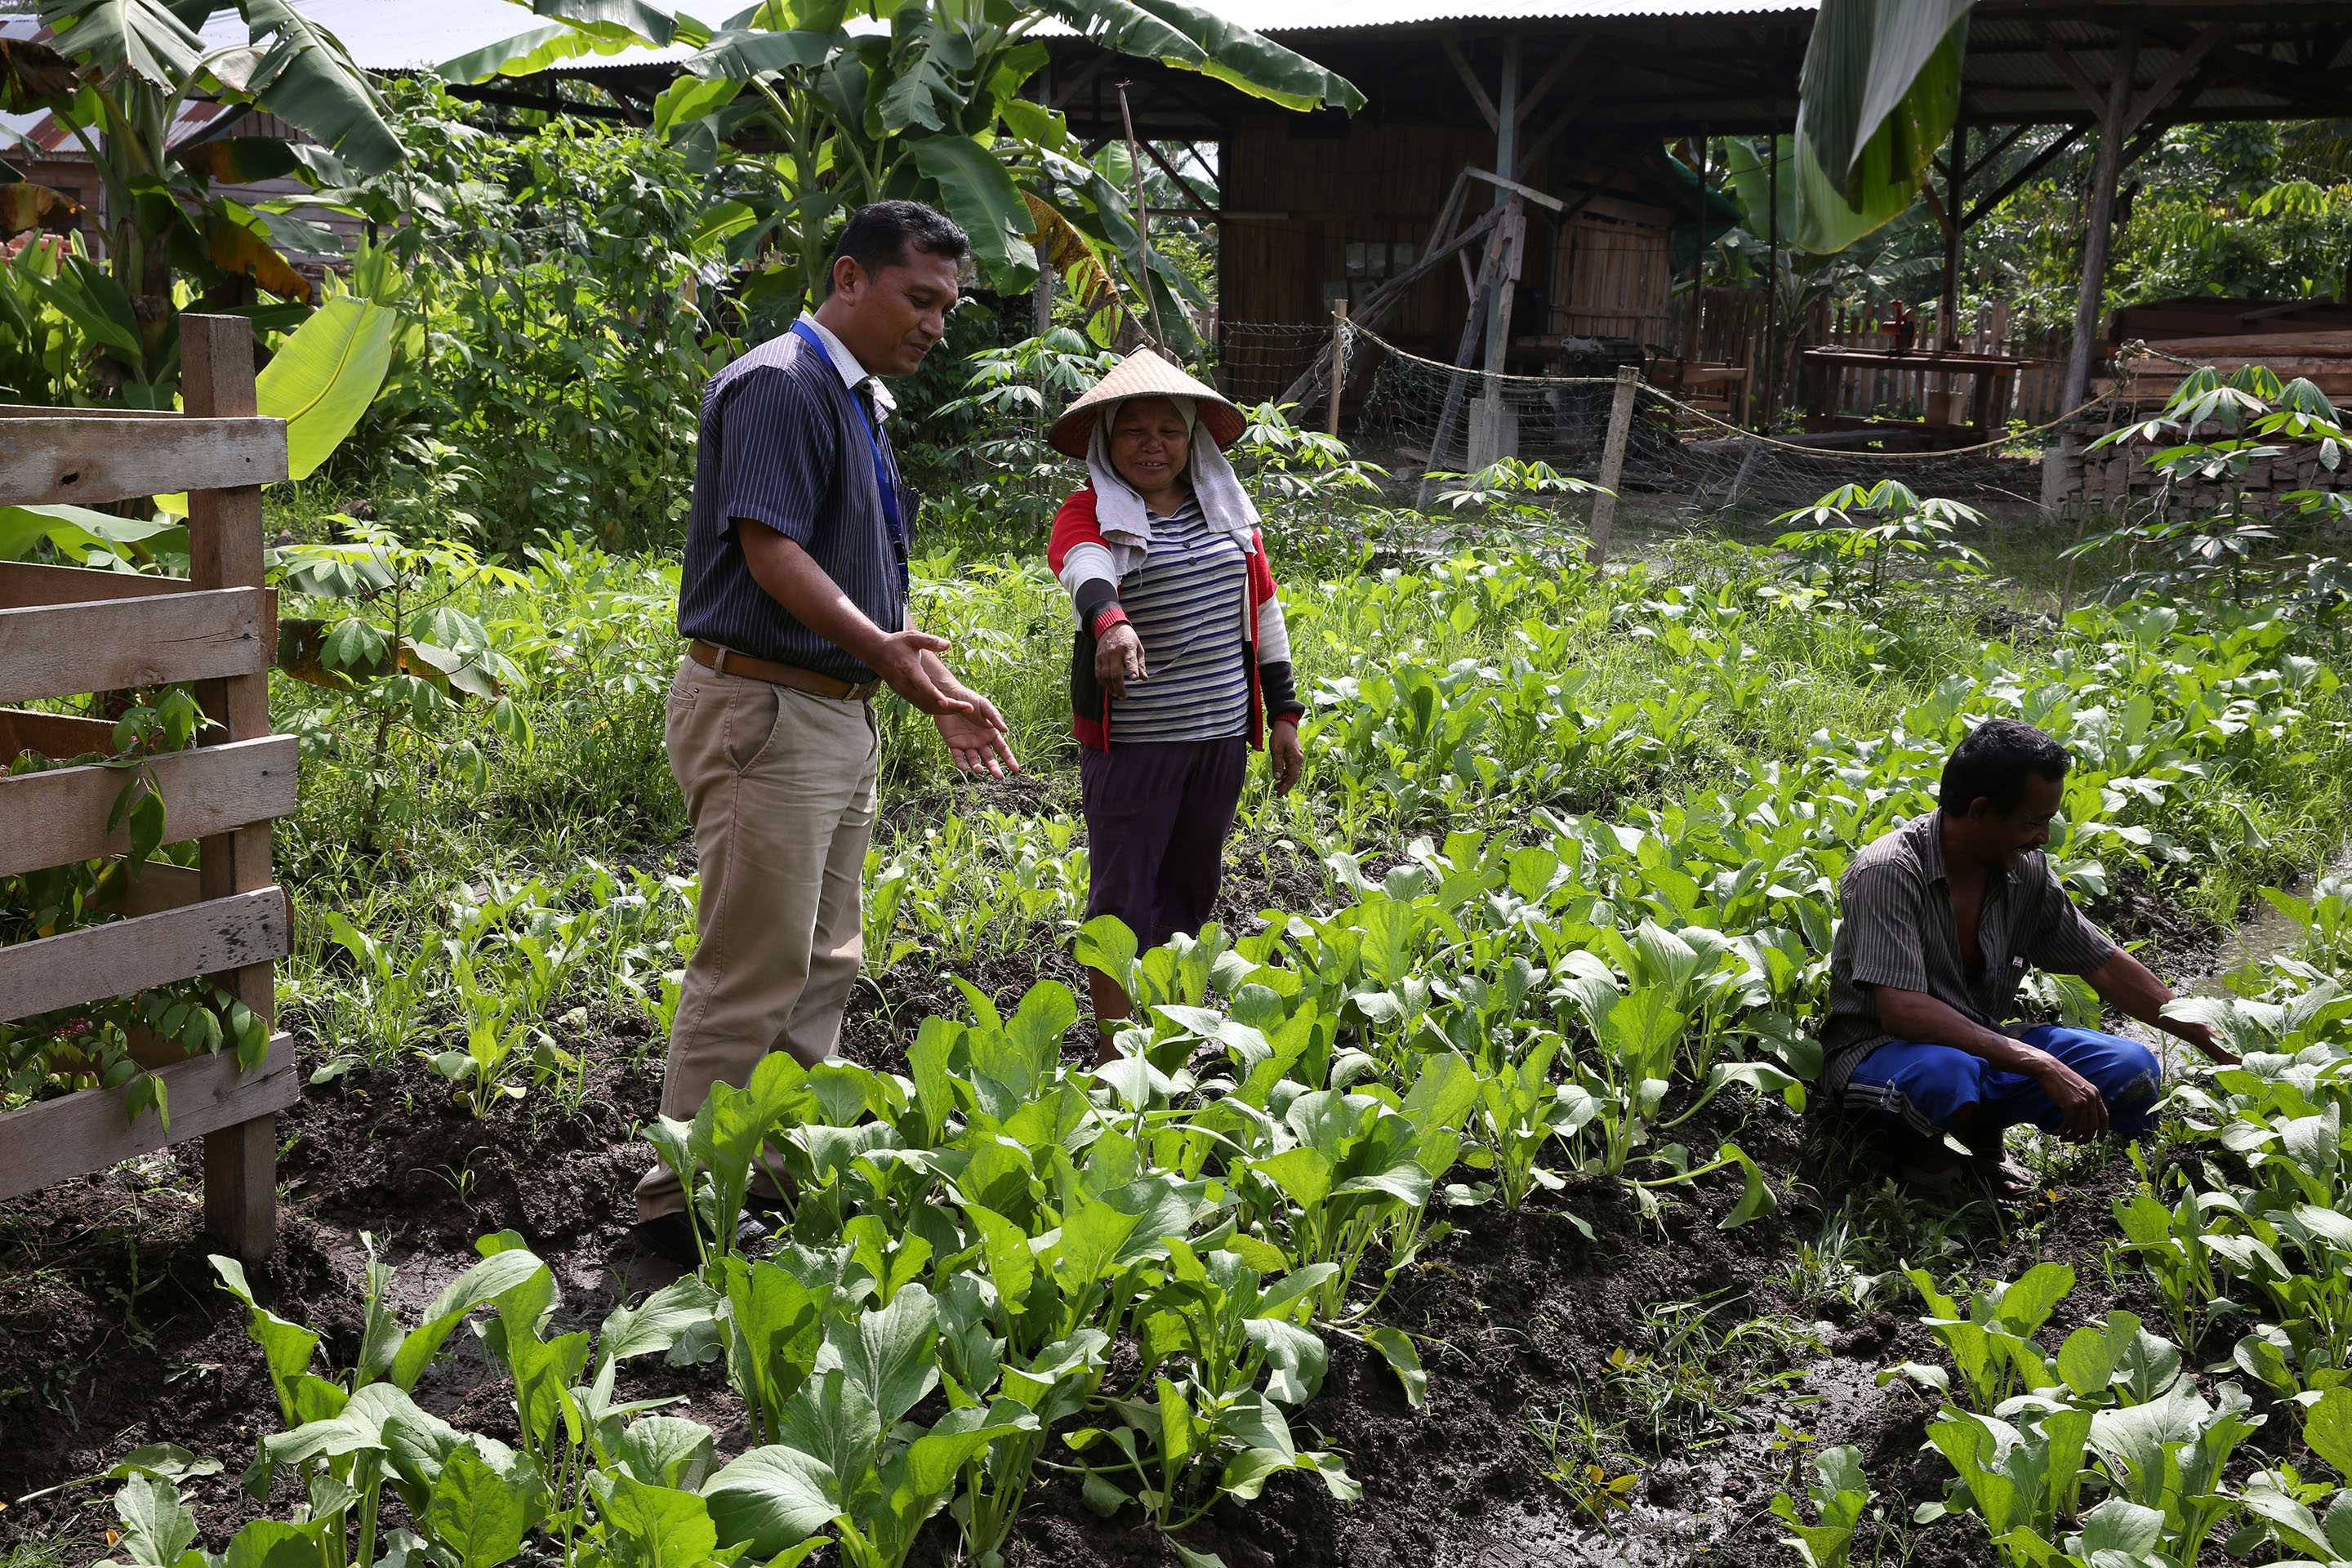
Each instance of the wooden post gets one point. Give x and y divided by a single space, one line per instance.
1338 358
1772 291
225 551
1486 420
1698 265
2105 172
1612 463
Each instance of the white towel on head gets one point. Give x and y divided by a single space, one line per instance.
1120 513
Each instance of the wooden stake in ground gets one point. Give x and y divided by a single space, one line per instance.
1612 463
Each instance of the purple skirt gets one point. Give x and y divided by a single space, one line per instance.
1157 817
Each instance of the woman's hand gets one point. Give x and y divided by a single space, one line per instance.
1285 755
1118 658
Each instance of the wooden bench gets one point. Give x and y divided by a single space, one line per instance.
68 631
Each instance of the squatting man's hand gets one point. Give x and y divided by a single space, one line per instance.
1118 658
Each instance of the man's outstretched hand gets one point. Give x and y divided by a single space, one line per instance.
907 663
976 746
975 736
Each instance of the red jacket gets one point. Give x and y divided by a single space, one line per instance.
1273 689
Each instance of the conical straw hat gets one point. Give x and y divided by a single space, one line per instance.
1144 375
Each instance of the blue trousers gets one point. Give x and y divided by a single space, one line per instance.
1922 1086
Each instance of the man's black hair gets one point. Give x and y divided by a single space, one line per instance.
1993 762
884 233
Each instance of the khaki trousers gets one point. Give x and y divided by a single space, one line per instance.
780 787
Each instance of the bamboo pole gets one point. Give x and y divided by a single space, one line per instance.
1142 228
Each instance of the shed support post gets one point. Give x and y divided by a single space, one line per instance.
1491 436
2105 170
225 551
1612 464
1771 366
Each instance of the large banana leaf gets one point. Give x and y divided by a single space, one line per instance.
308 80
34 76
23 206
529 52
325 377
978 192
1251 61
141 36
1880 93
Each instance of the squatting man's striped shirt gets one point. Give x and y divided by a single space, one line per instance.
1898 930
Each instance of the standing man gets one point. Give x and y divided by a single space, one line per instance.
794 601
1940 920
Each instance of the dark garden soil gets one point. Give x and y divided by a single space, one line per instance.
114 1335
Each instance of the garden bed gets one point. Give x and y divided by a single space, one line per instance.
113 1331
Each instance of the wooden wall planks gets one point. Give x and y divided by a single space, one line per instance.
60 1139
28 582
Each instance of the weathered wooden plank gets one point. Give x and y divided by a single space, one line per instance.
55 817
51 734
88 461
50 411
25 582
61 650
124 956
92 1130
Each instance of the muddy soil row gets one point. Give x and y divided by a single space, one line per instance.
113 1333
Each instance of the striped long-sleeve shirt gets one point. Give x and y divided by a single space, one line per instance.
1185 602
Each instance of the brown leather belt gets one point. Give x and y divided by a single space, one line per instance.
727 661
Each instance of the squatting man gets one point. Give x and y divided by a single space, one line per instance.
1941 918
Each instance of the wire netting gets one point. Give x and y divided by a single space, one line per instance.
1410 415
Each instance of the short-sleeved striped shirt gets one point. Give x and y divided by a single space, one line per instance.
1186 602
1897 930
785 445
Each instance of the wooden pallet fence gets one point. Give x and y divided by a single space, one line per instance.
69 631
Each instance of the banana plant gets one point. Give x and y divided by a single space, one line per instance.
929 109
117 79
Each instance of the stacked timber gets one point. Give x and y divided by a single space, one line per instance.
2321 358
2116 478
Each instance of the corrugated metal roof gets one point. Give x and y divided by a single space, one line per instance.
402 35
412 35
1316 16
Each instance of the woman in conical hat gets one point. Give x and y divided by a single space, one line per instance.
1181 663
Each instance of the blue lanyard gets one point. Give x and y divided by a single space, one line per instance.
883 480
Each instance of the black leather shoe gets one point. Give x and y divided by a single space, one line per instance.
669 1236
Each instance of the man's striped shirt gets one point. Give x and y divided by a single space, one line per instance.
1896 929
1186 602
785 445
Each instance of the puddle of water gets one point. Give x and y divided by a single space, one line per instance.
2264 935
1729 1486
